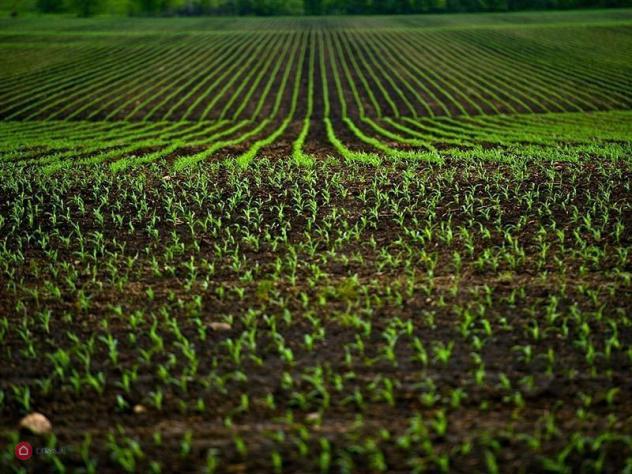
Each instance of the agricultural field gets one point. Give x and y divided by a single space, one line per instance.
346 245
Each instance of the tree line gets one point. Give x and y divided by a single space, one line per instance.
317 7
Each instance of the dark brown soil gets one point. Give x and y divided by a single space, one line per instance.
359 301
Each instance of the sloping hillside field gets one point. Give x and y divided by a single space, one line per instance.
362 244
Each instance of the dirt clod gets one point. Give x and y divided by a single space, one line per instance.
37 424
220 326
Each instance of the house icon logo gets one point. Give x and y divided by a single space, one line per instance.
23 451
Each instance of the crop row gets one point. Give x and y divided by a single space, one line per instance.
409 73
60 144
311 91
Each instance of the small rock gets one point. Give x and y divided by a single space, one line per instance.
139 409
312 417
37 424
220 326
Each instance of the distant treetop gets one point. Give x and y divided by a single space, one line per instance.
311 7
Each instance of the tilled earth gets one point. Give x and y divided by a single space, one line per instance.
462 317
